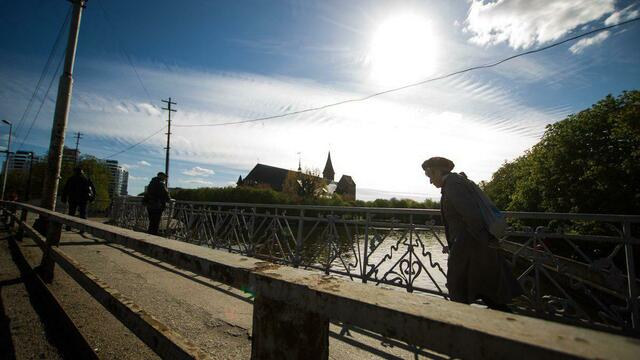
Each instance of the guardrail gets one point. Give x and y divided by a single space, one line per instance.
578 268
292 307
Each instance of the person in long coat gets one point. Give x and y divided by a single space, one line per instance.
79 191
476 270
155 199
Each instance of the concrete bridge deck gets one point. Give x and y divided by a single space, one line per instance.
215 317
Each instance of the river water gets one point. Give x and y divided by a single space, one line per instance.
391 258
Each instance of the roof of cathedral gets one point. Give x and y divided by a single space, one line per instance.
328 168
346 179
265 174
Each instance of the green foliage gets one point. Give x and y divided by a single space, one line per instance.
304 185
258 195
587 163
99 175
97 172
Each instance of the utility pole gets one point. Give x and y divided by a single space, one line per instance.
78 137
6 162
63 102
169 111
27 190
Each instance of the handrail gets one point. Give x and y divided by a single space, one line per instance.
431 212
293 306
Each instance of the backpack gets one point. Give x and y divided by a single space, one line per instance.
493 218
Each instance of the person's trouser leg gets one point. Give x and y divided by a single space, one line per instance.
72 211
73 206
82 210
154 221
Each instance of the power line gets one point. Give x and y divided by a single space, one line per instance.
123 49
136 144
389 90
43 74
44 99
364 98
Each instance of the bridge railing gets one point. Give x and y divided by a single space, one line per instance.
293 307
579 268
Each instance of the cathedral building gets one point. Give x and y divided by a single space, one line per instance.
275 177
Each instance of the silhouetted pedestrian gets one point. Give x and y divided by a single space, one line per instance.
155 199
476 270
79 191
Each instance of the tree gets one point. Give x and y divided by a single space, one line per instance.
95 170
588 163
306 185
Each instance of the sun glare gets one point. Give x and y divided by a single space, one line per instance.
403 50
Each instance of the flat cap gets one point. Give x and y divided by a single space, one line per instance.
437 162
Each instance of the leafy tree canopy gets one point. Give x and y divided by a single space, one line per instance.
586 163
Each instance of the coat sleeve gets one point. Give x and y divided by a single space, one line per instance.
93 190
462 200
165 194
65 191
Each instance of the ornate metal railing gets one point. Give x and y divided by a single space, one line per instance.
578 268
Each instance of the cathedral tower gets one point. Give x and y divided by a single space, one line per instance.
328 172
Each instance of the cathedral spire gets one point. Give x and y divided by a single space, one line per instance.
328 172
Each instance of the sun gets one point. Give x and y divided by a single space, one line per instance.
403 50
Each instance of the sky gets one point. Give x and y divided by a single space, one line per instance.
228 61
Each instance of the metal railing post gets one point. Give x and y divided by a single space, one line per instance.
23 219
631 275
12 219
54 231
298 255
365 262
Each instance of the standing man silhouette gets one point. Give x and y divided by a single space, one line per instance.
155 199
79 191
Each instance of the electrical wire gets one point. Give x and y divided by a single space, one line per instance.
364 98
43 74
496 63
44 99
136 144
124 50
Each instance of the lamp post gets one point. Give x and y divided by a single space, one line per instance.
6 162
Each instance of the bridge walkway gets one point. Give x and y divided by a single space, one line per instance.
215 317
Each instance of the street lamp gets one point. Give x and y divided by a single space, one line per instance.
6 162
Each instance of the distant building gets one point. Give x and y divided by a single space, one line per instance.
328 172
262 174
274 177
346 188
20 160
118 179
70 155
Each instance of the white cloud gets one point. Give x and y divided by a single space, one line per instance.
578 47
149 109
198 171
138 178
395 130
140 163
525 23
200 182
625 14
